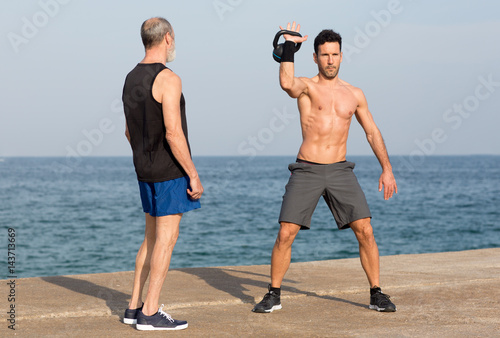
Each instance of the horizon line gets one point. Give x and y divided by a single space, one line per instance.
242 156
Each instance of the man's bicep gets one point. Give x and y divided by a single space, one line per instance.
365 119
171 115
171 104
363 114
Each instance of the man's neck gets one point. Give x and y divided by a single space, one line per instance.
332 82
155 55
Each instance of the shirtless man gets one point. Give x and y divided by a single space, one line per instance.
327 105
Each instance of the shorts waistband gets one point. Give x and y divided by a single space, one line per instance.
298 160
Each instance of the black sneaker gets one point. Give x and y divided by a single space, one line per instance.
159 321
380 301
130 316
269 303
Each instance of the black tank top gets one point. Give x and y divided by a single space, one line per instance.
153 158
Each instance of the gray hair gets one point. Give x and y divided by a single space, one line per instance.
154 30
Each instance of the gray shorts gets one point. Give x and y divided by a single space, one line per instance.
337 184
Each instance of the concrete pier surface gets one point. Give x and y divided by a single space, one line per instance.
451 294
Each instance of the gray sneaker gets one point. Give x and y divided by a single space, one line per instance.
130 316
159 321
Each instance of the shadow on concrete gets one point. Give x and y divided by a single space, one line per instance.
231 281
224 280
116 301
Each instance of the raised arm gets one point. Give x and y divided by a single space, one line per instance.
292 85
374 137
168 87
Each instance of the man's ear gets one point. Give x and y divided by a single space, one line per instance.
168 39
315 58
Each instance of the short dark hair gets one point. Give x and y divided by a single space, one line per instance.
154 30
327 35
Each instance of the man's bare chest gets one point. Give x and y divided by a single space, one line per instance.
339 103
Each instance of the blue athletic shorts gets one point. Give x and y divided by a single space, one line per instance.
167 198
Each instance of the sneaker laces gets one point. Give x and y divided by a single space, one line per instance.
164 314
382 297
268 296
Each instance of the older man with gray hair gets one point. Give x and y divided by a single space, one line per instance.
168 181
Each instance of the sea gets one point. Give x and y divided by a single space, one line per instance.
80 216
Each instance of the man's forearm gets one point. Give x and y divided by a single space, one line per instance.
287 70
378 146
180 150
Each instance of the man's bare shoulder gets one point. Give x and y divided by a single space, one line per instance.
355 90
309 80
348 85
167 76
166 83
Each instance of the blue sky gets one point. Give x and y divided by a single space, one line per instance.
430 71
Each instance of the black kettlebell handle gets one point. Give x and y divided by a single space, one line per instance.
284 31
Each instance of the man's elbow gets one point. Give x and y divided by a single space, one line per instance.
370 134
172 136
288 88
286 85
373 134
369 138
169 136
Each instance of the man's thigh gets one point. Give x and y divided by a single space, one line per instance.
303 190
344 196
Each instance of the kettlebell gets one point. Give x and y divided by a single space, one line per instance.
278 48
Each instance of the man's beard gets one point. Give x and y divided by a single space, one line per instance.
333 76
171 54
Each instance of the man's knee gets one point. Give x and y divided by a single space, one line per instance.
363 229
172 239
167 238
287 233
